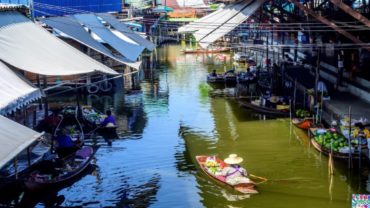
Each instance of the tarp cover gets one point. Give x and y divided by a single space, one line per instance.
217 24
14 91
129 50
71 27
127 31
204 21
14 138
30 47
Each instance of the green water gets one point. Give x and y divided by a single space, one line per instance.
173 120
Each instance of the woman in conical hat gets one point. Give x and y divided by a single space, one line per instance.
234 174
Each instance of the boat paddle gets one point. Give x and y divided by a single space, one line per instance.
259 177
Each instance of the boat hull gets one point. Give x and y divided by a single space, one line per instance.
304 124
246 188
263 110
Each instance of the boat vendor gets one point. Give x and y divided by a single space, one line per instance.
234 174
361 133
65 144
109 121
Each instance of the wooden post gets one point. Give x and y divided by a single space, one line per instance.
39 86
15 163
349 138
46 106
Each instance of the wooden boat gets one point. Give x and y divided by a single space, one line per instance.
335 154
219 79
265 110
303 123
199 51
246 78
230 78
52 173
246 188
326 151
109 132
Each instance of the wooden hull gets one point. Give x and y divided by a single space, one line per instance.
110 132
246 188
264 110
304 124
35 185
216 80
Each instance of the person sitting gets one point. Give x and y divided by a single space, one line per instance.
65 145
361 133
109 120
214 74
234 174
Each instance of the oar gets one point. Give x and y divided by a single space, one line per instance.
259 177
93 130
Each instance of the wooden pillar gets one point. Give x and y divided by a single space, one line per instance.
46 107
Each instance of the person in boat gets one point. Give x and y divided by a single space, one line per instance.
234 174
213 73
51 121
109 121
361 133
65 145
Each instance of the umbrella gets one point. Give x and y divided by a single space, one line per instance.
162 9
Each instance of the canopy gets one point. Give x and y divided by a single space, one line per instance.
200 23
70 26
162 9
219 23
129 50
228 22
14 91
126 31
30 47
14 138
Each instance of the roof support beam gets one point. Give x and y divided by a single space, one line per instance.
351 12
331 24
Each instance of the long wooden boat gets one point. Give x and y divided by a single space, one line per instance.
246 188
326 151
335 154
303 123
62 171
265 110
199 51
219 79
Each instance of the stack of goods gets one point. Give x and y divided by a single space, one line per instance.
212 165
334 141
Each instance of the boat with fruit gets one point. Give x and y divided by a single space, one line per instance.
246 188
329 142
256 105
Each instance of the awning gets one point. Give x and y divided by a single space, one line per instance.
14 91
129 50
127 31
29 47
229 21
71 27
217 24
14 138
204 21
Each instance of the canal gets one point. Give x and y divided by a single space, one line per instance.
172 120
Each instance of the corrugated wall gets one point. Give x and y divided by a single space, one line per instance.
62 7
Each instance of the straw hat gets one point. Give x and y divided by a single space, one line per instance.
233 159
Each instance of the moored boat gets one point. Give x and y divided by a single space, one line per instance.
57 171
256 105
334 144
218 79
303 123
246 188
